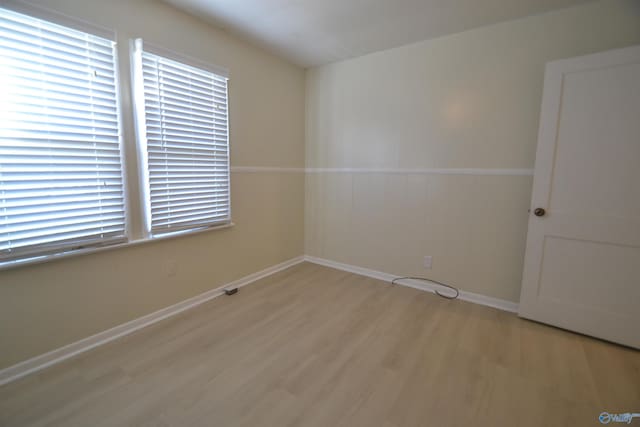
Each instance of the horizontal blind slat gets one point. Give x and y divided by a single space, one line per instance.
60 243
77 216
50 196
169 106
197 217
68 234
177 201
30 206
167 115
48 27
17 31
162 196
155 63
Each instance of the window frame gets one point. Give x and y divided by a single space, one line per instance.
135 233
137 47
54 249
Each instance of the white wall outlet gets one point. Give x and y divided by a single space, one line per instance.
427 262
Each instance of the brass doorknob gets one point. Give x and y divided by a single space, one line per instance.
539 212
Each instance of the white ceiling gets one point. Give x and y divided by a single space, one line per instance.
315 32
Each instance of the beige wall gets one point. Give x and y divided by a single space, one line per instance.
45 306
469 100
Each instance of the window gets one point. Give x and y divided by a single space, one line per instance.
61 183
183 130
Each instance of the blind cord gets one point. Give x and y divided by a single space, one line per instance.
393 282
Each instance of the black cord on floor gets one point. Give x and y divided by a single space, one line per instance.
393 282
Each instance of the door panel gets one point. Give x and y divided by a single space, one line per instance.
596 164
582 263
578 272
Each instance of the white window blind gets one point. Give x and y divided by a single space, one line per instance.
186 144
61 184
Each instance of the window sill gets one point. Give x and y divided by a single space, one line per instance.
8 265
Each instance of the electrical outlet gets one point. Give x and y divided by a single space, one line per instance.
427 262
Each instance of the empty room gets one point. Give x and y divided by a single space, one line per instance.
319 213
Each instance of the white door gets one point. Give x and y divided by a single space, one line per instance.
582 263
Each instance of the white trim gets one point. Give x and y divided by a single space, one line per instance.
398 171
500 304
265 169
58 355
426 171
140 128
7 265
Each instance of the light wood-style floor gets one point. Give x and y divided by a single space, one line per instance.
312 346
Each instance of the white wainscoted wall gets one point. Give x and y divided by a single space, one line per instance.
428 149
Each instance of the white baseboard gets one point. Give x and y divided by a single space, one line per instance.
421 285
43 361
58 355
